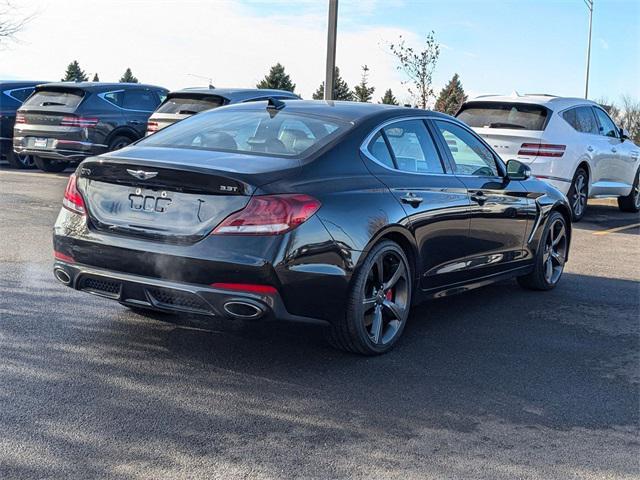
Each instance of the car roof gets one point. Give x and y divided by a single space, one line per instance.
346 111
550 101
236 94
99 86
19 83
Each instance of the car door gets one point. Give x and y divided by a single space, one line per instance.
406 159
138 105
617 159
500 208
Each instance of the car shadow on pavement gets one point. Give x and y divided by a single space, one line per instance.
104 392
601 217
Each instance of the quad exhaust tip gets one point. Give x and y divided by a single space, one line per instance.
62 276
242 310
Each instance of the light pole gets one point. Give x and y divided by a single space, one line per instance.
589 4
331 50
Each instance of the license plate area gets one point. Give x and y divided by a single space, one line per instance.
151 201
40 143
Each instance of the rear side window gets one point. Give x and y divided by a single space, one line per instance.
413 147
54 98
378 150
249 131
144 100
518 116
19 94
607 127
190 105
581 119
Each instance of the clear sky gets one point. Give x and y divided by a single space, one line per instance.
532 46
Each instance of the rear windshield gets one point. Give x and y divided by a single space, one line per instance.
189 105
54 98
249 131
504 115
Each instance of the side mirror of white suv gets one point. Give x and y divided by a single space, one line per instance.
624 134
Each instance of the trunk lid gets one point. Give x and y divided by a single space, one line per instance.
508 142
149 193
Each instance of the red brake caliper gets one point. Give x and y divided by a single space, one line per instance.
389 295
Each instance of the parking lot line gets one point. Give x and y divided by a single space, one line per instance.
617 229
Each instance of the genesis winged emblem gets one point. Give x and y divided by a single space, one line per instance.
141 174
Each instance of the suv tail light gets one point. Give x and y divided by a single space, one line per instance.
20 118
83 122
72 199
269 215
152 127
542 150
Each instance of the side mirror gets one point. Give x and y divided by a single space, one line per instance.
624 134
517 170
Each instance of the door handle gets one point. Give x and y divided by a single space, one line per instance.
589 148
479 198
134 122
411 199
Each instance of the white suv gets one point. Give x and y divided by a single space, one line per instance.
569 142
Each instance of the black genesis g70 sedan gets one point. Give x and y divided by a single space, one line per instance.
334 212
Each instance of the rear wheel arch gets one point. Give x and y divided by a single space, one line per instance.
403 238
122 132
587 168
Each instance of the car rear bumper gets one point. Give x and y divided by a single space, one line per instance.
60 149
175 297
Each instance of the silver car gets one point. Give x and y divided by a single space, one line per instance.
189 101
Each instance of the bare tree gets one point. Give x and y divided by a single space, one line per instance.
418 66
626 114
12 21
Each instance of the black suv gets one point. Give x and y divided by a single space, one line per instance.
12 94
63 123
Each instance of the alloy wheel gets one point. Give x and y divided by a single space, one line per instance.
386 298
25 160
636 194
555 251
579 197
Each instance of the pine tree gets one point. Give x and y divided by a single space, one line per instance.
128 77
363 92
277 79
451 97
74 73
341 90
388 98
95 78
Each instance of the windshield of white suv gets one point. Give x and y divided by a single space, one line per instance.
507 115
249 131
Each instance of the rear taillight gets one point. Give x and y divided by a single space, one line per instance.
152 127
269 215
72 199
542 150
20 118
83 122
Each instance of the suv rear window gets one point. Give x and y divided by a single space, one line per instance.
190 105
249 131
68 99
518 116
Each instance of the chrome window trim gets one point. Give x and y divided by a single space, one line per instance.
365 144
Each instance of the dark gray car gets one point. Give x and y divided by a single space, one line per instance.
189 101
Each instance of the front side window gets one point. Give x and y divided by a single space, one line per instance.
413 148
249 131
607 127
470 155
144 100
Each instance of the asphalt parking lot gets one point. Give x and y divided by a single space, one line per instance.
499 383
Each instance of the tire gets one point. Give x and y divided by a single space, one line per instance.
20 161
51 166
631 203
118 142
579 194
378 303
552 250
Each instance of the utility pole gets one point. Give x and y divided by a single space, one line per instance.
589 4
331 50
